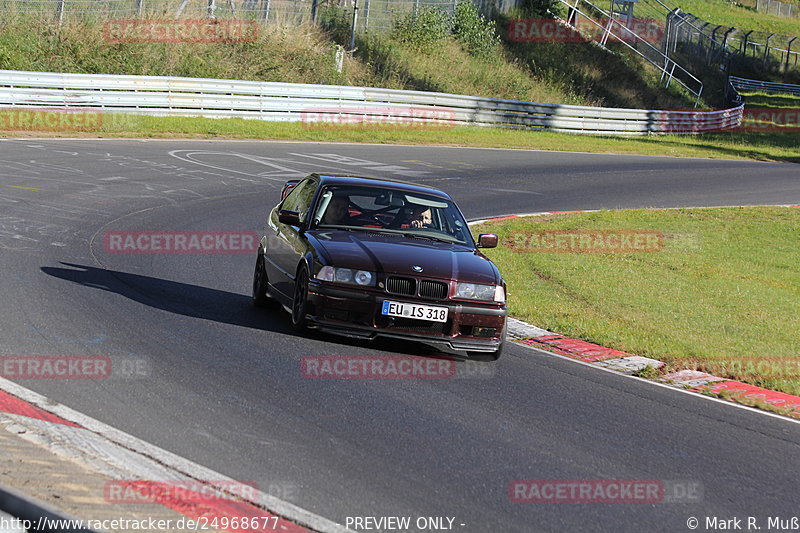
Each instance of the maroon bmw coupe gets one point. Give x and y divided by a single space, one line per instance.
364 257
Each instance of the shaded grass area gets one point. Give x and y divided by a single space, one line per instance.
618 79
722 295
781 101
763 146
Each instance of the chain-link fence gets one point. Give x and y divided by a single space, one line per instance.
371 15
778 9
725 45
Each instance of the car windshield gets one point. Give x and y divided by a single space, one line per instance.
392 211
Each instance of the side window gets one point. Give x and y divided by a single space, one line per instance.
300 198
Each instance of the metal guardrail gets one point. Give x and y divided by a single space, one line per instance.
744 84
295 102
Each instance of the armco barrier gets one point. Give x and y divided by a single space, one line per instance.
295 102
743 84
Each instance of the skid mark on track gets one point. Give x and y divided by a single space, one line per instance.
375 166
278 172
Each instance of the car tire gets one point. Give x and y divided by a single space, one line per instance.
300 301
260 297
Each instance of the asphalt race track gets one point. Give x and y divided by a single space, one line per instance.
201 373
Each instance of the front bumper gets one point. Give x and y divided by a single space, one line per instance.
356 313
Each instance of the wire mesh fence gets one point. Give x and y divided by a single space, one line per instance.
372 15
778 9
725 45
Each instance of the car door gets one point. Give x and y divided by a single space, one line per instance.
286 244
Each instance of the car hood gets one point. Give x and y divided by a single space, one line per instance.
397 254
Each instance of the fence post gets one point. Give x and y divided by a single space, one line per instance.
745 42
366 17
180 9
353 30
60 12
314 4
139 8
789 51
212 7
266 10
766 49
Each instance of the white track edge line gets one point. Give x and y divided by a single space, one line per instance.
694 394
273 504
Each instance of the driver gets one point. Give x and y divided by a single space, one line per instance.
421 217
337 211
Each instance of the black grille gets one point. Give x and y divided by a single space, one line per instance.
405 286
411 324
433 289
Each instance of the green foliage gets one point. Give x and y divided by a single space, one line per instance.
537 8
425 31
475 33
431 27
337 22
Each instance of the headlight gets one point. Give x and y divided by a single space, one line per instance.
362 277
476 291
346 275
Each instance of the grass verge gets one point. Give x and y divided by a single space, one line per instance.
721 293
763 146
739 15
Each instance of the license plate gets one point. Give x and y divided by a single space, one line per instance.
420 312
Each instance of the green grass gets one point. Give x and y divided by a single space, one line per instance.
738 15
571 74
768 146
722 295
778 101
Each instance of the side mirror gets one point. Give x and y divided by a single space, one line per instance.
292 218
487 240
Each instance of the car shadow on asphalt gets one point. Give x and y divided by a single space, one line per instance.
213 304
173 296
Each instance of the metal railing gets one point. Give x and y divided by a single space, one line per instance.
719 44
615 30
295 102
744 84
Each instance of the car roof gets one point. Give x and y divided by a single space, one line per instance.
336 179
